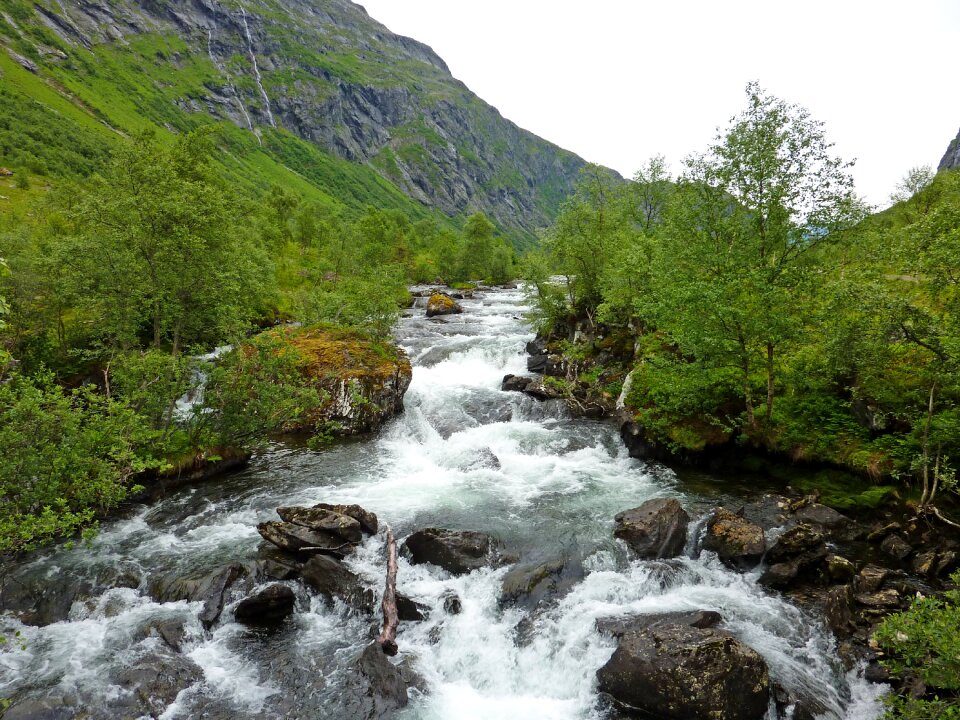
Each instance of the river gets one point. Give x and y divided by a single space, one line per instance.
464 455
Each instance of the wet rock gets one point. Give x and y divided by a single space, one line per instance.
39 602
410 676
456 551
298 539
896 546
537 346
781 574
822 516
153 682
375 688
838 610
655 529
209 588
946 562
277 565
619 626
536 581
515 383
451 603
331 579
881 599
442 304
685 673
925 563
411 610
737 541
802 539
267 607
840 569
45 709
323 520
879 532
551 365
876 673
171 630
368 520
871 578
539 389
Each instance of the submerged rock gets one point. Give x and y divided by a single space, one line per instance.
620 625
655 529
685 673
736 540
537 581
375 688
152 683
267 607
442 304
333 580
40 709
456 551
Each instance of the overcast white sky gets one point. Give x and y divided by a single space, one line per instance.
617 81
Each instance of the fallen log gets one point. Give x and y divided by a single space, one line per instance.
388 637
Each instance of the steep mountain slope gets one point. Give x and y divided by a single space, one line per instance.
314 89
951 158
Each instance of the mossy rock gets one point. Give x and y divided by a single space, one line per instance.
441 304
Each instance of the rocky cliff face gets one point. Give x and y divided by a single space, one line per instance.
325 71
951 158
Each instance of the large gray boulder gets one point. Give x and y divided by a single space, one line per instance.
323 520
655 529
676 672
293 538
375 688
539 580
267 607
456 551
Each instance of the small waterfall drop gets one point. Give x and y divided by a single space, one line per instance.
256 68
226 75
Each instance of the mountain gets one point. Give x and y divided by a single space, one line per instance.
951 158
305 93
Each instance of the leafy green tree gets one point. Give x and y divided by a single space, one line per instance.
156 246
738 248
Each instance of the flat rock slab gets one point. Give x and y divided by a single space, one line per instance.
323 520
298 539
655 529
368 520
620 625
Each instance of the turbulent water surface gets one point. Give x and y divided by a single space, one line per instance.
464 455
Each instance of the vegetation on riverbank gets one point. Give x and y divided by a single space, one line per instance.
765 309
112 280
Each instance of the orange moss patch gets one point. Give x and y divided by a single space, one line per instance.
329 352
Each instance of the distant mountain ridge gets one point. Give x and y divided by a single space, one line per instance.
322 70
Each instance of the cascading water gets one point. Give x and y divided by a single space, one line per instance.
256 68
464 455
226 75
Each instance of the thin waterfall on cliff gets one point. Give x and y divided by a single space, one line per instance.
256 69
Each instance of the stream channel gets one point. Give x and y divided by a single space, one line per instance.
463 455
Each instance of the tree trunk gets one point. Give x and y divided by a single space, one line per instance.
388 637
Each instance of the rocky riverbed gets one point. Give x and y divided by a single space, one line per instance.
543 572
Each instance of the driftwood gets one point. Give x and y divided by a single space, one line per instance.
388 637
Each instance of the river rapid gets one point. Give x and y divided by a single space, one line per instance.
464 455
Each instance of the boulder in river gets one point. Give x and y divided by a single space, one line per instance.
410 610
655 529
515 383
152 683
736 540
442 304
679 672
298 539
208 587
375 688
456 551
538 580
368 520
361 382
323 520
333 580
269 606
618 626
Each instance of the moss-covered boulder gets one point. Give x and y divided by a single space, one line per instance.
361 380
442 304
